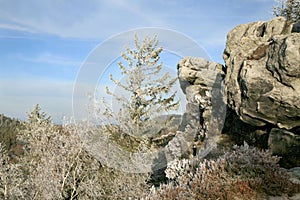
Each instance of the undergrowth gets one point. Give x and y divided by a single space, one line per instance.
244 173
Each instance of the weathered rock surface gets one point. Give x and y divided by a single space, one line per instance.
201 81
286 145
295 174
262 80
262 87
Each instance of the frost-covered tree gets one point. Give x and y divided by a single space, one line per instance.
147 90
10 177
290 9
56 165
55 162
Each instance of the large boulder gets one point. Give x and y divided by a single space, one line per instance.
262 84
262 80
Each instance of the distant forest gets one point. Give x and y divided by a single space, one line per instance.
9 128
8 131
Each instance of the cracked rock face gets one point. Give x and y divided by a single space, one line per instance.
202 83
262 81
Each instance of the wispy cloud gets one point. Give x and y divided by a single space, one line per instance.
91 19
50 38
49 58
100 19
16 27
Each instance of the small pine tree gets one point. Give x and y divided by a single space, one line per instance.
290 9
37 124
148 90
36 116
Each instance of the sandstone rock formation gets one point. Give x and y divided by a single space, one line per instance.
262 84
263 73
201 81
262 92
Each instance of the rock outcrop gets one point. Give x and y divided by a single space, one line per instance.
201 81
261 80
263 73
262 84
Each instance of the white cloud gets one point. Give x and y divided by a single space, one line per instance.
207 22
91 19
16 27
49 58
101 19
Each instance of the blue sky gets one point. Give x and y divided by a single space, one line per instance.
44 43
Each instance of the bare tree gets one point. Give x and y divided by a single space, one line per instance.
56 165
53 165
